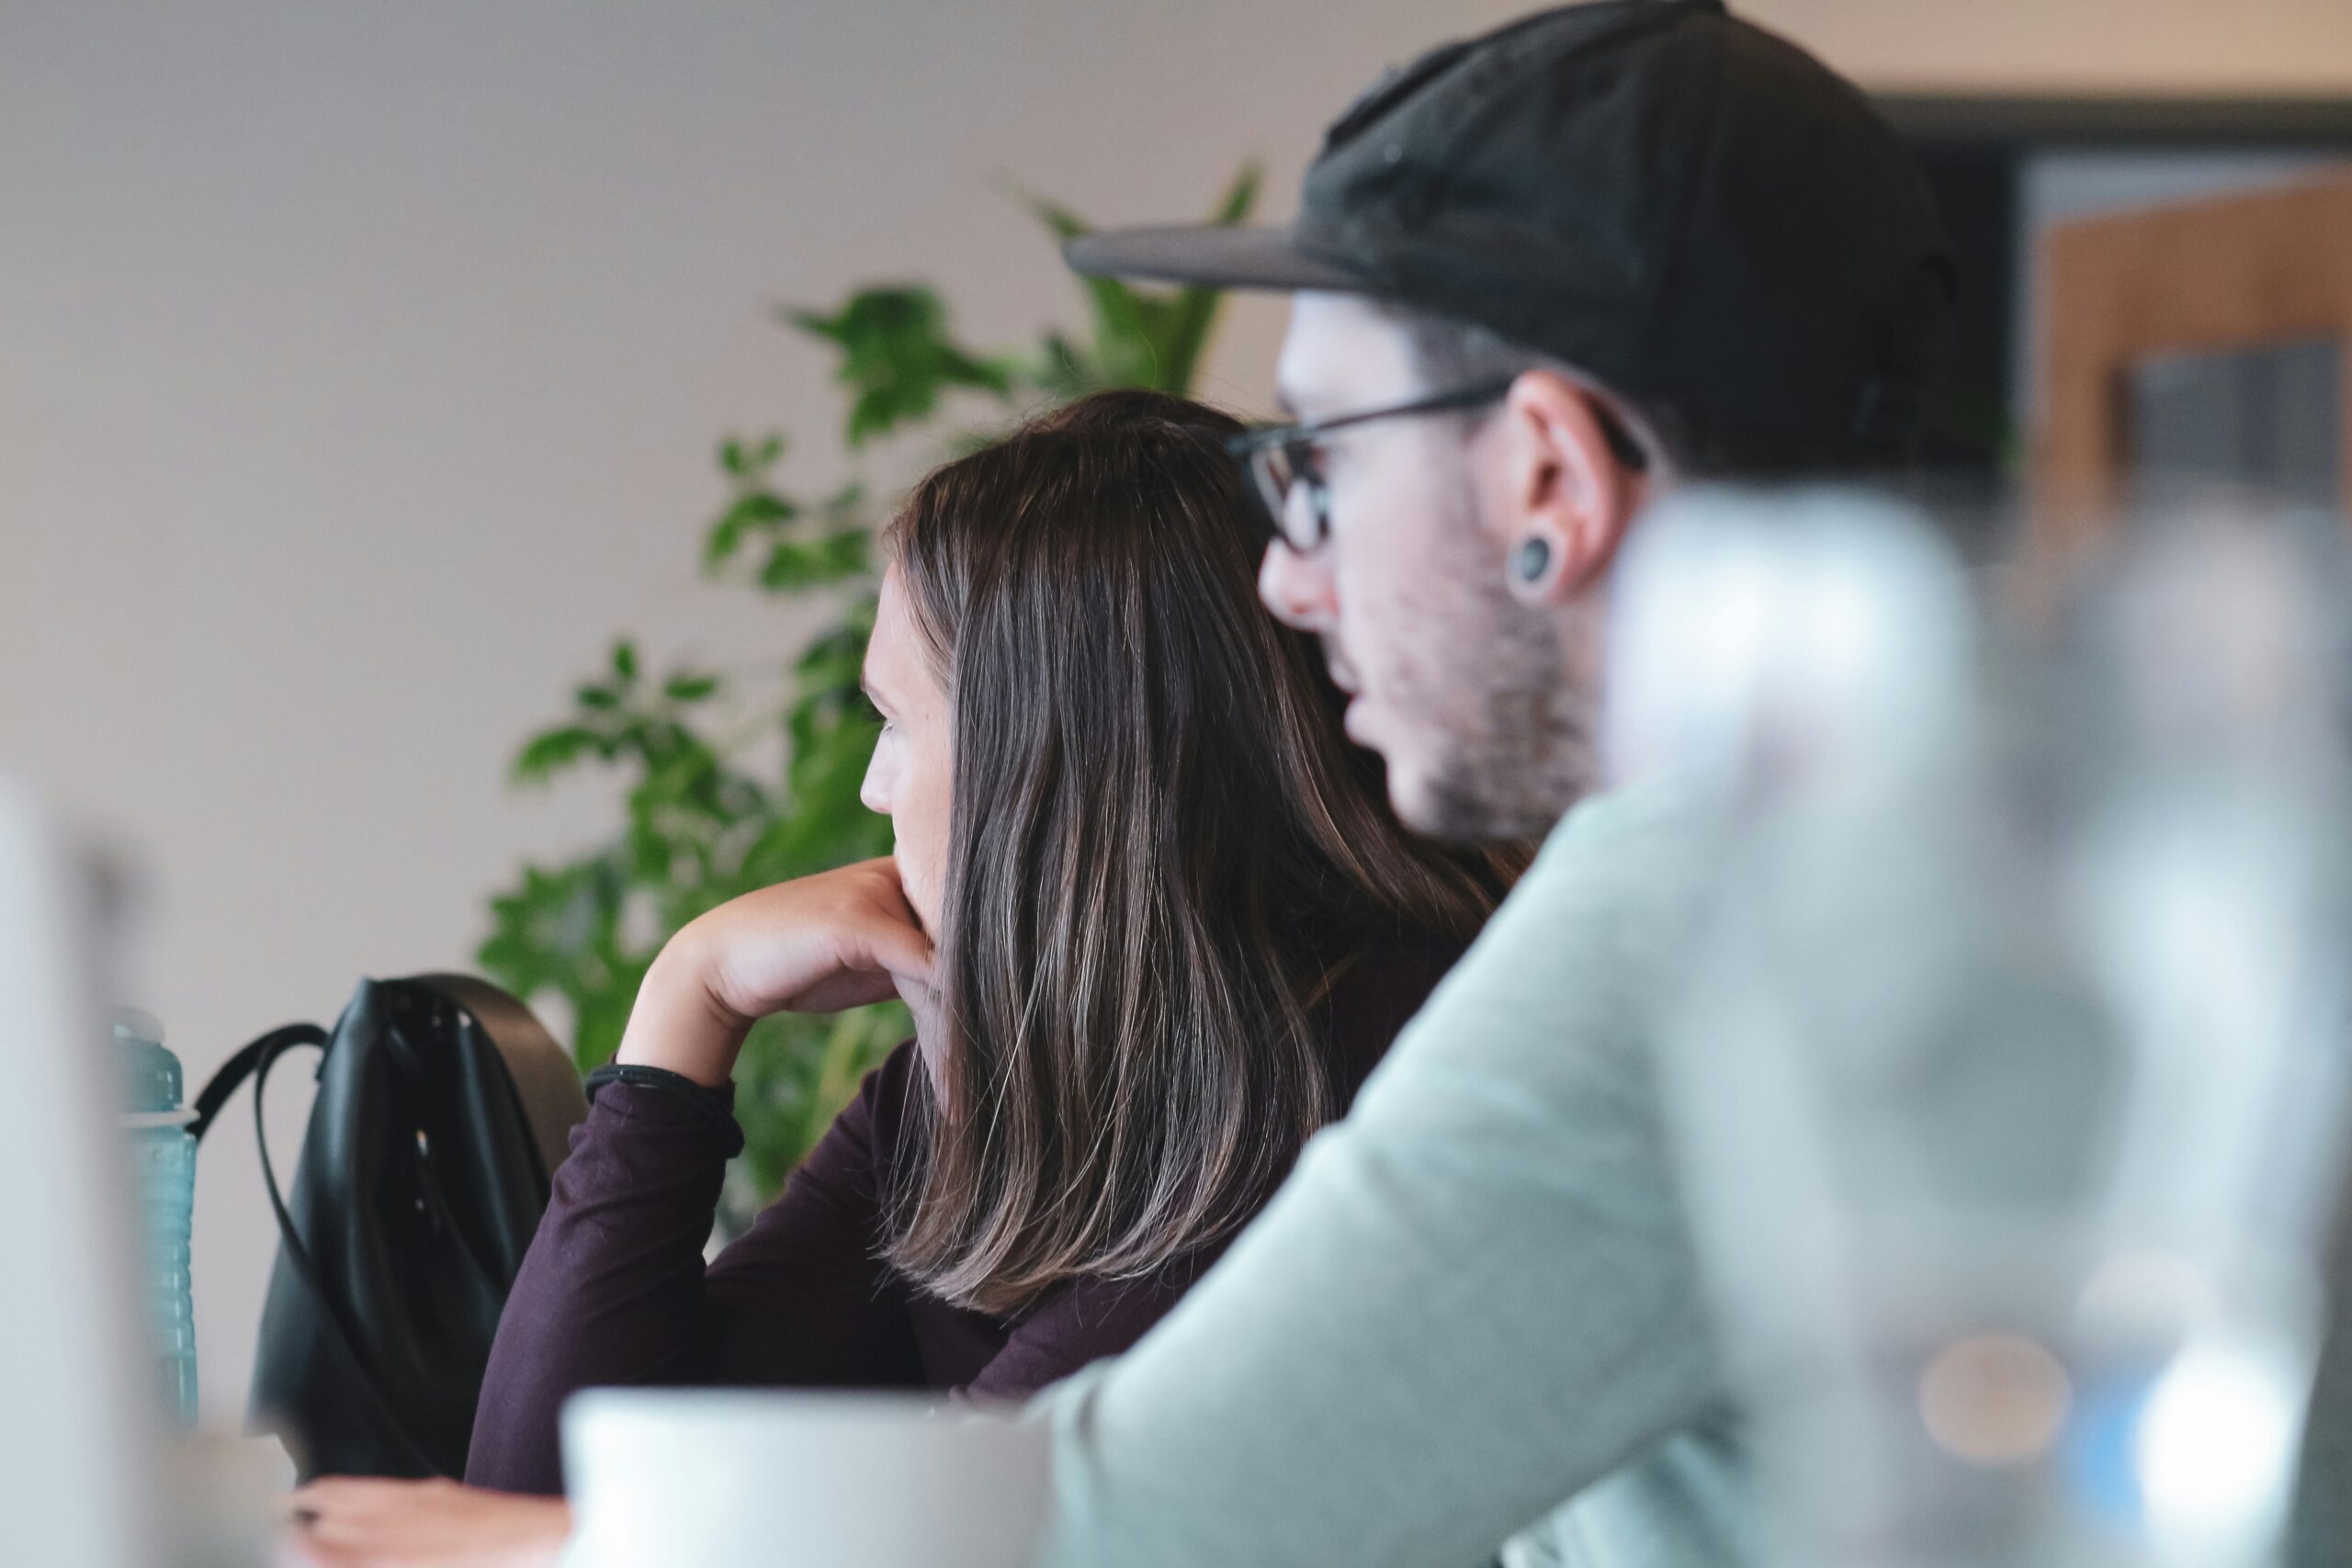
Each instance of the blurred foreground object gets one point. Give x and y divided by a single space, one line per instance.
91 1475
79 1471
703 1478
2008 1076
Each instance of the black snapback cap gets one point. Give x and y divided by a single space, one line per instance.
1673 200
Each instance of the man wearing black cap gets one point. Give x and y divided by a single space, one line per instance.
1541 274
1541 277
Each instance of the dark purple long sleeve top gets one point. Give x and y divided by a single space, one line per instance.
615 1288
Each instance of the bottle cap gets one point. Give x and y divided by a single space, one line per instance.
151 1074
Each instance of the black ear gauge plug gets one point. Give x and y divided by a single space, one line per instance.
1532 559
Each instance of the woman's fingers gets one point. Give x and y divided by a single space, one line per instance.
428 1524
348 1500
906 949
847 987
841 939
863 929
899 948
878 951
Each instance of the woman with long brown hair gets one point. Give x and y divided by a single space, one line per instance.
1150 909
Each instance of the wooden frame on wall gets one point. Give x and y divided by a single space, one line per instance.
2233 272
1977 149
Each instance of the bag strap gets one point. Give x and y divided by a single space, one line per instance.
241 1066
297 1253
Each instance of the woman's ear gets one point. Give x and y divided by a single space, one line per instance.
1565 497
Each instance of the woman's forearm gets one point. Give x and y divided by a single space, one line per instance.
678 1023
611 1291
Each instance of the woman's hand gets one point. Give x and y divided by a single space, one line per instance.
423 1524
837 939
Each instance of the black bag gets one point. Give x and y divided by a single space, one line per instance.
443 1109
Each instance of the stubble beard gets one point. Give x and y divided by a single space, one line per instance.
1506 710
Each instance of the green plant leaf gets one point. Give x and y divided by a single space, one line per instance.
552 751
1060 370
1192 319
795 565
1124 354
1141 338
760 508
845 508
753 511
899 357
744 461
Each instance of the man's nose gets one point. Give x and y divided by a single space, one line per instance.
1297 588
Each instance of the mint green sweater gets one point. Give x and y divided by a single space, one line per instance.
1474 1313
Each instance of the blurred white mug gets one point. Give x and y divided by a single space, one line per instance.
695 1478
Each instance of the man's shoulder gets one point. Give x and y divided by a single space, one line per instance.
1648 839
1560 995
1616 880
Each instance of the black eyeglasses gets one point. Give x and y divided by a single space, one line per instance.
1279 457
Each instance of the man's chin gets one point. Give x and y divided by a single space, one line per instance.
1408 760
1438 789
1423 801
1416 806
1436 794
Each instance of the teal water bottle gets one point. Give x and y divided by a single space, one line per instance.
163 1156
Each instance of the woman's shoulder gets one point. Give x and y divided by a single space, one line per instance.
888 1091
1380 984
869 1134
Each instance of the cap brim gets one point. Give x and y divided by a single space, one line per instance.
1222 256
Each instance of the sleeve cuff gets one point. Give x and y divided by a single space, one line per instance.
645 1087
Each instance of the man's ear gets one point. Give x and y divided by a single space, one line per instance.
1565 498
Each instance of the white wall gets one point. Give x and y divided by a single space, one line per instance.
360 364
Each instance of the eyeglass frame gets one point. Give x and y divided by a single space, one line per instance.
1255 448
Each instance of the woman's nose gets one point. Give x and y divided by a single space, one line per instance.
875 792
